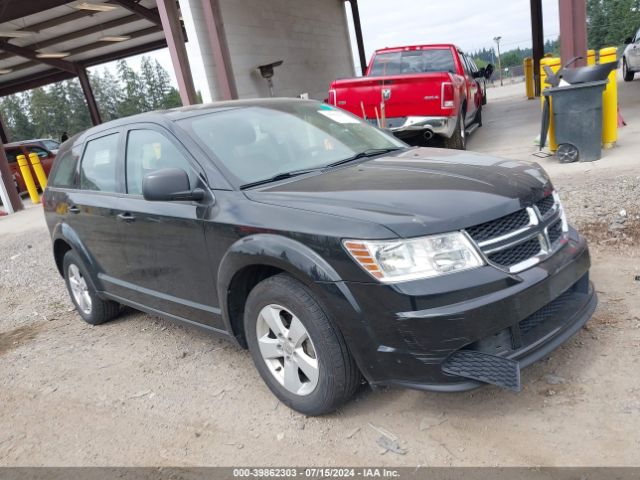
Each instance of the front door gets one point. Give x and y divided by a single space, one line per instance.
163 242
634 53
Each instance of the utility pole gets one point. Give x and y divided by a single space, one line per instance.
497 40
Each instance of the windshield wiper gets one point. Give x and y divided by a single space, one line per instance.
279 176
366 154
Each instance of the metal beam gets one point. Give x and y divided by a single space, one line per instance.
573 31
89 47
3 132
78 33
47 77
27 53
175 41
357 26
220 49
141 11
537 37
94 113
12 10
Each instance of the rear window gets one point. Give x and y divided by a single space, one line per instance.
413 61
64 170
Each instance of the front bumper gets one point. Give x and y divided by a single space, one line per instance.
404 333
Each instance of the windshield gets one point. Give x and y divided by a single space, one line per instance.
257 143
413 61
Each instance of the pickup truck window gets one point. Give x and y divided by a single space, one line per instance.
413 61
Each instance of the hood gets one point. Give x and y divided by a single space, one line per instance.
417 191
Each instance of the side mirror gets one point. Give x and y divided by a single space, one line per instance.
488 71
628 41
479 73
169 184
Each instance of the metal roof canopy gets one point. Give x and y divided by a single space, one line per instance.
83 33
60 26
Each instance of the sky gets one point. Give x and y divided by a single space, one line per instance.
471 24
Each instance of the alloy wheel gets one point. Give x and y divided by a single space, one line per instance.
287 349
79 289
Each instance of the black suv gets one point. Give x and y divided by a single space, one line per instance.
327 247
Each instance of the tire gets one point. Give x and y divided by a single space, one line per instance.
89 305
627 74
457 141
478 117
289 306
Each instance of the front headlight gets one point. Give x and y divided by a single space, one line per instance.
416 258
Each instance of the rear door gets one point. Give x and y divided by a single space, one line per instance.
92 209
168 268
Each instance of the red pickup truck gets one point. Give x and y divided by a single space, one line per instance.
418 92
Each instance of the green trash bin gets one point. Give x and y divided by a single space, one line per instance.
577 120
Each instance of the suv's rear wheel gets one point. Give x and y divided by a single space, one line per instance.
626 73
300 354
89 305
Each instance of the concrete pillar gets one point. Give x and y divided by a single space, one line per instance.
573 31
94 113
175 41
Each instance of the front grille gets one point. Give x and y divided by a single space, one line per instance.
531 233
501 226
516 254
545 204
555 232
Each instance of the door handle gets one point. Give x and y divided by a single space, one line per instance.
126 217
73 209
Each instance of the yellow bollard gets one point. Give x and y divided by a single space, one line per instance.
37 167
554 63
591 57
528 78
610 100
28 178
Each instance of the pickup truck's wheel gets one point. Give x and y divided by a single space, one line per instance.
458 140
89 305
300 354
626 73
478 118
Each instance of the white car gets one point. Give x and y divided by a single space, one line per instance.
631 57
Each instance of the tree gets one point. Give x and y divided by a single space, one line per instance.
610 22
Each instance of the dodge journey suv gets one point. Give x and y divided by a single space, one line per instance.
328 248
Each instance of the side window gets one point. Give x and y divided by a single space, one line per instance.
465 63
98 170
63 174
148 150
41 152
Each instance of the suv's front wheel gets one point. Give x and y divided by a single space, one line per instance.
300 354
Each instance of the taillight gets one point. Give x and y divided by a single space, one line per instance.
332 98
448 98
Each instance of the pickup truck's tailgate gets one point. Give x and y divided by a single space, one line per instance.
408 95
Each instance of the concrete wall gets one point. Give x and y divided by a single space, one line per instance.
310 36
